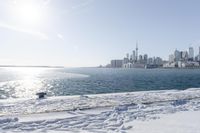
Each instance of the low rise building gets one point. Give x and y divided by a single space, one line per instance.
116 63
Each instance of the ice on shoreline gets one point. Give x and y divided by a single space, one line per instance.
83 102
94 113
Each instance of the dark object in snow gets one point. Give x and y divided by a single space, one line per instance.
41 94
179 102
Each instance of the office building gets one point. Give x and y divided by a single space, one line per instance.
191 53
134 56
116 63
177 55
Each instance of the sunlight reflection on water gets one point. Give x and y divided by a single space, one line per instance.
25 82
28 83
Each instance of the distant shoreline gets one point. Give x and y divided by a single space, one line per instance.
33 66
151 68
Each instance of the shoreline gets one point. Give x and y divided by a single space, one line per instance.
5 66
85 102
103 113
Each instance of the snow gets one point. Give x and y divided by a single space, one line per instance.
149 111
181 122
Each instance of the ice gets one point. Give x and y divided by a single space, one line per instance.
104 113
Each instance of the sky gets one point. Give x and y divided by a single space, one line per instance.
82 33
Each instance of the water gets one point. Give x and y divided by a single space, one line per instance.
26 82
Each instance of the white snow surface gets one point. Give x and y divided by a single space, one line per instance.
104 113
180 122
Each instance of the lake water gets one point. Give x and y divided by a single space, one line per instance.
21 82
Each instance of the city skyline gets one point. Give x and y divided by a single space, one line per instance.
178 59
191 52
89 32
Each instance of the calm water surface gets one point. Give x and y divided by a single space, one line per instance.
25 82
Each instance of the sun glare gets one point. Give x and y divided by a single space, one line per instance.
28 71
28 81
28 12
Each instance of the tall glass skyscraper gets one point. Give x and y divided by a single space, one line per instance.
191 53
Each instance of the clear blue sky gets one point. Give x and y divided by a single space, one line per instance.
92 32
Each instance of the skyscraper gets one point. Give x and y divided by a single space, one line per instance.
136 51
145 58
184 55
199 51
171 58
134 58
199 55
177 55
127 55
191 53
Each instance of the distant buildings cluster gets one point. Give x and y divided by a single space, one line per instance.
183 59
134 60
179 59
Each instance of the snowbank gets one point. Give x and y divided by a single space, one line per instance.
105 113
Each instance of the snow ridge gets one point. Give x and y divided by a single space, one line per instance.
89 113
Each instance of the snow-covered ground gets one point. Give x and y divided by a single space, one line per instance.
180 122
151 111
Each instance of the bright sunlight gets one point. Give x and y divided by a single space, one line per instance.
28 12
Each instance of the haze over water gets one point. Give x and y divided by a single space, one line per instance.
23 82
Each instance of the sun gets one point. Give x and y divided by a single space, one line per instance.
28 12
